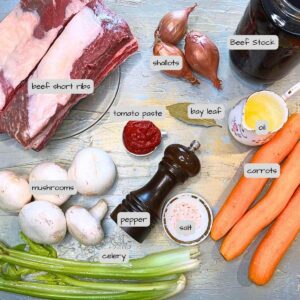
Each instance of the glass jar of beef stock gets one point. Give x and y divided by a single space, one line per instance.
269 17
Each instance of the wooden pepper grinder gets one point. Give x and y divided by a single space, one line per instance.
178 164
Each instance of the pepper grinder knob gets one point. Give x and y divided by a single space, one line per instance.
195 145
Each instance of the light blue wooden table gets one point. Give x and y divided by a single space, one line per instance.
221 157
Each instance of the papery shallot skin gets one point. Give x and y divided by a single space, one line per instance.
163 49
91 45
26 35
173 25
203 56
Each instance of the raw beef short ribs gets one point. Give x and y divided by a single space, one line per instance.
26 35
92 44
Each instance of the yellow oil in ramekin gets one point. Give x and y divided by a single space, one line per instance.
264 106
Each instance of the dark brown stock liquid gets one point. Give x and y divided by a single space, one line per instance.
269 17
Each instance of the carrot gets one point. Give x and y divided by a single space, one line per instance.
266 210
247 189
276 242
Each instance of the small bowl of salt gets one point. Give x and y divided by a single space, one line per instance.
187 219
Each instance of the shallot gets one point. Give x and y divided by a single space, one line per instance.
203 56
173 25
164 49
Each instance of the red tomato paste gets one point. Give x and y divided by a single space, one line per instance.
141 137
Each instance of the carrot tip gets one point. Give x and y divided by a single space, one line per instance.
258 281
214 236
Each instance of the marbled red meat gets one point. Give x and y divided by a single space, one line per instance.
92 44
26 35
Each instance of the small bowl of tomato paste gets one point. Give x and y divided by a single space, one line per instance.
141 138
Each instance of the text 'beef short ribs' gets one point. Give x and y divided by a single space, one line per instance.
91 45
26 35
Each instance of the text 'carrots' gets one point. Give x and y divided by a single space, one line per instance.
266 210
247 189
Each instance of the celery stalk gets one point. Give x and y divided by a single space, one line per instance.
154 277
113 272
171 265
70 292
167 257
35 248
121 286
13 272
152 260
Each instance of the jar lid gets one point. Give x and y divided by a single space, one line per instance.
285 14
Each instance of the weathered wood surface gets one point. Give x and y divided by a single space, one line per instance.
221 157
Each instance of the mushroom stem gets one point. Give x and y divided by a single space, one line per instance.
99 210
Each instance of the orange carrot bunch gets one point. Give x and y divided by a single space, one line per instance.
282 199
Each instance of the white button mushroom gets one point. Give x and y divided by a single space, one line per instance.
49 172
85 225
93 170
14 191
43 222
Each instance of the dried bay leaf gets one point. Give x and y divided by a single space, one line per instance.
180 112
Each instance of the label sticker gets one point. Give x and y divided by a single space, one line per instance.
114 256
185 227
206 111
53 187
253 42
262 127
61 86
166 63
133 219
127 113
261 170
